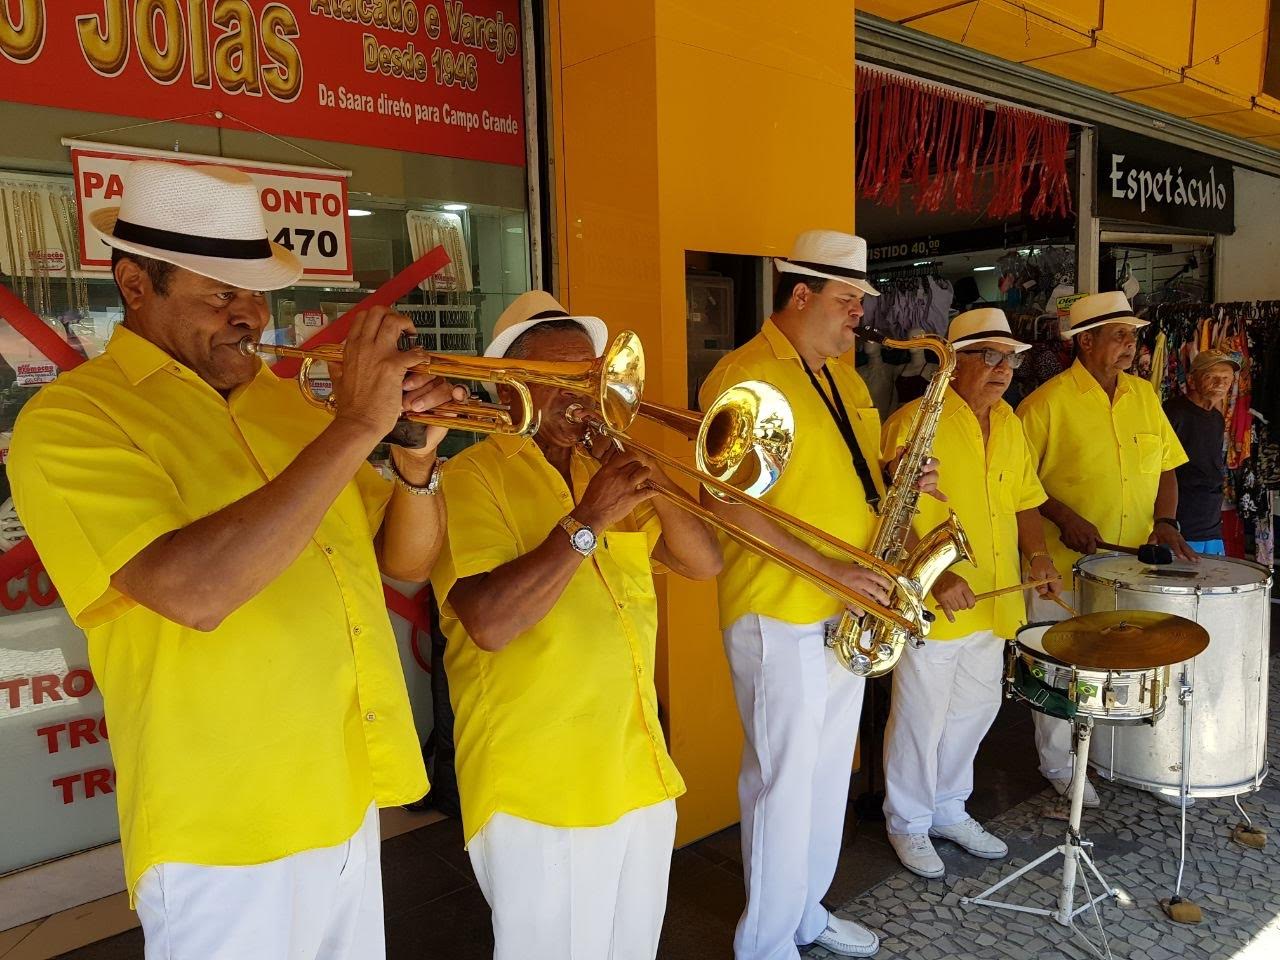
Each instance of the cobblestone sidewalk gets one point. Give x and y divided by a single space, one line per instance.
1136 848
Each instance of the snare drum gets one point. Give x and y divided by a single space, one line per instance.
1227 710
1058 689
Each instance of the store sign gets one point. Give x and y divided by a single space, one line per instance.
1149 181
305 207
58 791
428 76
35 374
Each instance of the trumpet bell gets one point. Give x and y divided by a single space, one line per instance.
746 437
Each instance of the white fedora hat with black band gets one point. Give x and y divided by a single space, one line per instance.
535 307
829 254
984 325
206 219
1097 309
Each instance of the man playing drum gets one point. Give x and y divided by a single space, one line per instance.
1106 455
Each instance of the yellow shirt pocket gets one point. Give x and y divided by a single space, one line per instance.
630 570
1150 452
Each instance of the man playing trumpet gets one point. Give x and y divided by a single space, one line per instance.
946 693
219 540
547 598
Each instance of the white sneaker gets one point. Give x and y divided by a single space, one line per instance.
1063 787
970 835
847 938
917 854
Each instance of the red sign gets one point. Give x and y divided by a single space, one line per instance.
428 76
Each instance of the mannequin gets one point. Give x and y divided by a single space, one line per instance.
879 377
914 377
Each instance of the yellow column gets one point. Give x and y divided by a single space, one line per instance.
725 126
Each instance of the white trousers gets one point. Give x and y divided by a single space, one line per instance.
946 695
1053 736
800 711
323 904
580 893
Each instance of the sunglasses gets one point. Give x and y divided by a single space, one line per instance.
993 358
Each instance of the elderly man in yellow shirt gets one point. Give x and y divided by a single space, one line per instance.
1106 455
547 599
946 693
219 540
800 709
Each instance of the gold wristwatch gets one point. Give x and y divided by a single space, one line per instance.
581 537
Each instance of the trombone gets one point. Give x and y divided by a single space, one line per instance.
741 446
613 382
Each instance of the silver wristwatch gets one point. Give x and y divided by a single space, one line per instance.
581 537
428 489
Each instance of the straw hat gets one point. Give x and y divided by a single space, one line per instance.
984 325
535 307
206 219
1097 309
829 254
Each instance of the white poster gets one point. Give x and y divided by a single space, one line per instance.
305 207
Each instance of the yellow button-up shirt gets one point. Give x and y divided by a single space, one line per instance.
272 733
561 725
986 485
1102 458
819 485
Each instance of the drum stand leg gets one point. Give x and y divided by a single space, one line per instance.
1073 850
1176 907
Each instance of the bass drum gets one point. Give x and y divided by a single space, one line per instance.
1227 709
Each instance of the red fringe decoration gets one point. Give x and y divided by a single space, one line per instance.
912 132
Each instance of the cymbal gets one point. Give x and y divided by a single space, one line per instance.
1125 640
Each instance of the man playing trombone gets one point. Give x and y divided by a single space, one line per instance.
219 540
547 598
799 708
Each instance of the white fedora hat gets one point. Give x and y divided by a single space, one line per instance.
1098 308
830 254
535 307
984 325
206 219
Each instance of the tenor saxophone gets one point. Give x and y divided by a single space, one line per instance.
942 546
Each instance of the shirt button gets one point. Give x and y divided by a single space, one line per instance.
328 549
355 630
371 716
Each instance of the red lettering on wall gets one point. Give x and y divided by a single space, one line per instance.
79 683
44 685
67 784
13 687
99 781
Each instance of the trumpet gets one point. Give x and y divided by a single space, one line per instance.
742 444
613 382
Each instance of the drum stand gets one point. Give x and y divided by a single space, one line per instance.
1074 850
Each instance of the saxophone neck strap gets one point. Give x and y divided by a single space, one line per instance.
835 406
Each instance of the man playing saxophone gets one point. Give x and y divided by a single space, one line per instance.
946 693
799 708
547 598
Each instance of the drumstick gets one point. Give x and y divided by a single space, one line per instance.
1029 585
1063 604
